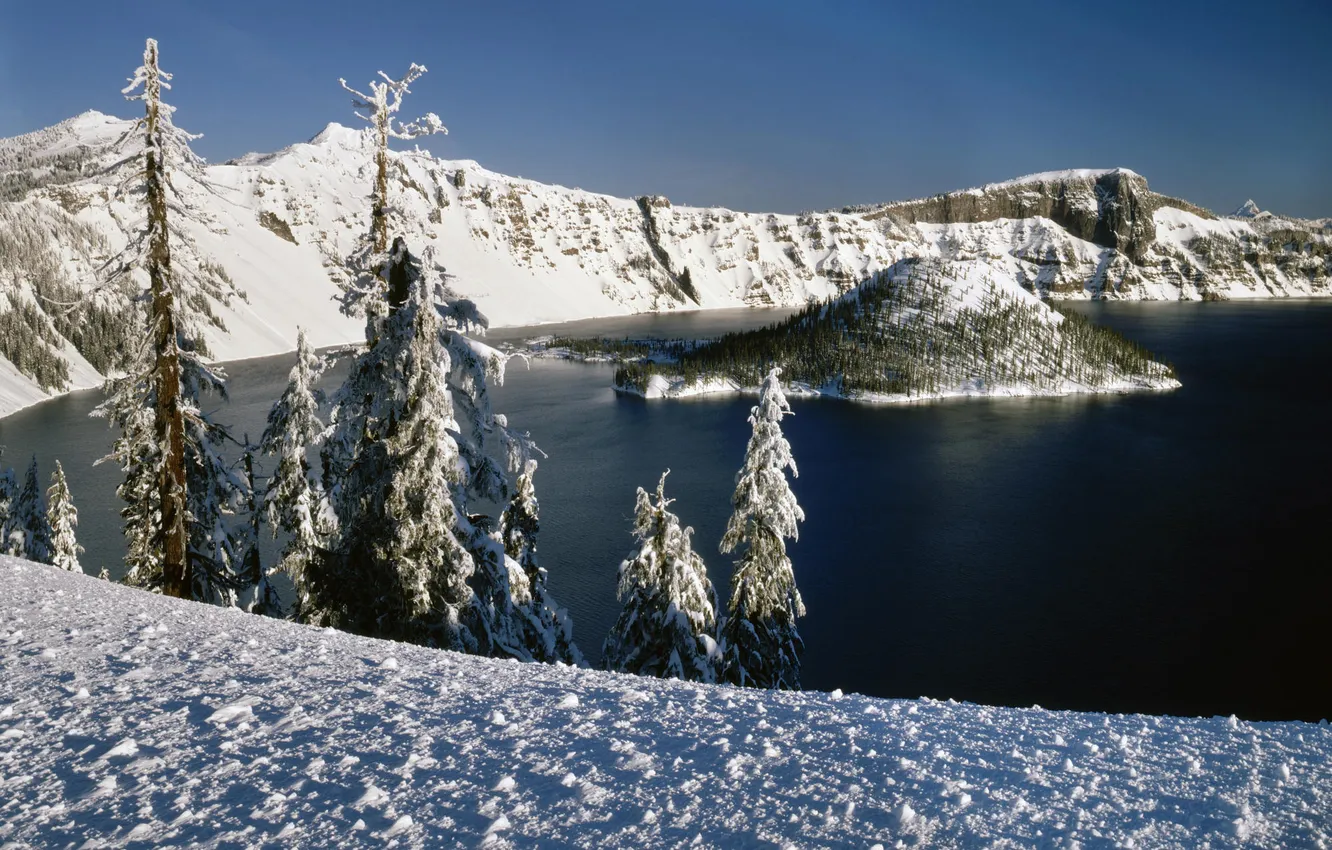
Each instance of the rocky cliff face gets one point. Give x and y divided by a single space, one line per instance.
1112 209
1151 246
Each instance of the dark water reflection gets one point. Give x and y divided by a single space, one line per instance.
1154 552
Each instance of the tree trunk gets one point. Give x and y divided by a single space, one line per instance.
379 206
379 203
169 427
399 280
254 570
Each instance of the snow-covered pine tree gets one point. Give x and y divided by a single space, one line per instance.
365 291
383 103
164 382
295 501
424 470
669 621
364 463
548 631
264 599
177 485
8 490
760 644
64 517
398 565
216 490
137 454
351 583
505 597
28 532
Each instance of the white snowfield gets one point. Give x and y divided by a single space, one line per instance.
127 717
1056 176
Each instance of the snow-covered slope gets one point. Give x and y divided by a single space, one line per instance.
278 225
128 717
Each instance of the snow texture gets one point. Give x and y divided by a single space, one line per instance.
126 716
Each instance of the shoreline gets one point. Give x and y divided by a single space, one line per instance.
659 388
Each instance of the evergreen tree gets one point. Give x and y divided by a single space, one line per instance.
28 531
137 454
399 563
509 610
295 502
412 440
216 492
8 490
177 486
365 291
64 517
265 598
670 607
547 633
760 644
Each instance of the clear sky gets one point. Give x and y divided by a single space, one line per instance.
762 106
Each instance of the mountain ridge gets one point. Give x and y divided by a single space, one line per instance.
279 225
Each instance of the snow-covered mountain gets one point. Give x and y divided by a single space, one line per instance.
1105 233
278 225
1248 209
130 717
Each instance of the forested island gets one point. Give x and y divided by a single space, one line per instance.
920 329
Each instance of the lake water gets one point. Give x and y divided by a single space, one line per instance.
1163 553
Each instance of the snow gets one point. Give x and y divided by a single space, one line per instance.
972 389
407 754
1061 176
91 128
1248 209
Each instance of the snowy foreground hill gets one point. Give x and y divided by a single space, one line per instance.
129 717
279 225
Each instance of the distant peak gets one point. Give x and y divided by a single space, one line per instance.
91 128
336 133
1248 209
93 118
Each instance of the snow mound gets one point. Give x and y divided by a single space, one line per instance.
339 134
1062 176
635 763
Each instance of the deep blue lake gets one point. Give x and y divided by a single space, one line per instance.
1156 552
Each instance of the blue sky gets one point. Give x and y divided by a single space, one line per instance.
771 106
